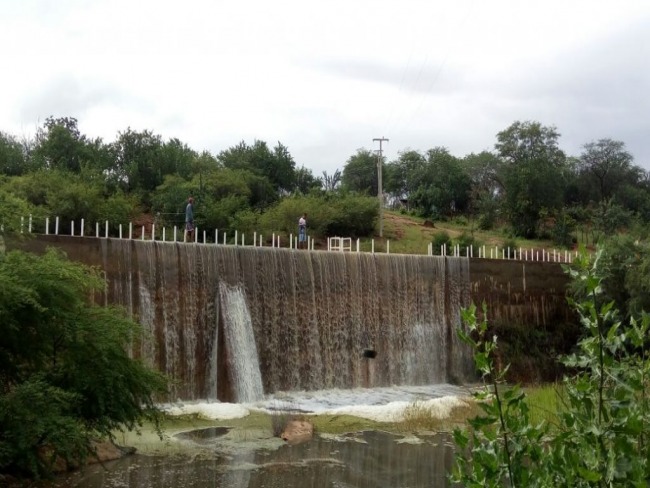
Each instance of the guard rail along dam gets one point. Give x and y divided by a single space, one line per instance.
234 323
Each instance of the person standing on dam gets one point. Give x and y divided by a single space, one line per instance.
189 220
302 231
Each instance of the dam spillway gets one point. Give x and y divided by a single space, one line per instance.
312 315
233 322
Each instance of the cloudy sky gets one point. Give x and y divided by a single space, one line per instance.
326 78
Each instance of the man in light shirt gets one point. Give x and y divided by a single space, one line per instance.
302 231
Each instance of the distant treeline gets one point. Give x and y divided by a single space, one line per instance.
527 184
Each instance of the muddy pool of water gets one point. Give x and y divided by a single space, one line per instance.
362 460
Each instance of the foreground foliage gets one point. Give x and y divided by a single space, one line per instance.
601 436
65 376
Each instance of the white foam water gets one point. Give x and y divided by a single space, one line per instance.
380 404
245 373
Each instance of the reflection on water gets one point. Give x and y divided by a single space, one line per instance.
363 460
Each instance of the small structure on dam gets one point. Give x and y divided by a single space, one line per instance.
233 323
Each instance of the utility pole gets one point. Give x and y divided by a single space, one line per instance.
380 194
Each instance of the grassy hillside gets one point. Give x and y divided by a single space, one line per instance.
411 235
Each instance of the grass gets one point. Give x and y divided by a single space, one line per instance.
408 234
544 403
419 416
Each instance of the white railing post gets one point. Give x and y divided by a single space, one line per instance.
204 237
47 225
120 231
82 227
97 229
254 238
71 228
235 238
224 238
142 233
130 230
30 223
106 233
56 226
153 232
164 235
22 224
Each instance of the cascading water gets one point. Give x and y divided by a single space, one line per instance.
315 320
240 340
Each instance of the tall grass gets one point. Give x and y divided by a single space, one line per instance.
545 403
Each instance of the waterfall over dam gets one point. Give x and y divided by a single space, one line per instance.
233 323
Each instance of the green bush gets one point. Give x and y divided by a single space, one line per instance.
66 378
336 214
440 239
465 241
601 437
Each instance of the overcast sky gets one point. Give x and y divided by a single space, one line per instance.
326 78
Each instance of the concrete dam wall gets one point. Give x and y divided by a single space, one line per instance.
233 323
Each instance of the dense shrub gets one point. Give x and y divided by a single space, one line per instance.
65 375
441 239
601 437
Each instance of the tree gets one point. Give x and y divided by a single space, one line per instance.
60 145
305 181
66 378
533 173
360 173
12 157
486 188
177 158
605 166
138 162
277 165
443 185
331 182
402 174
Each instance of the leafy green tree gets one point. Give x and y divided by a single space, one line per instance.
277 165
66 378
533 174
486 187
402 175
360 173
177 158
138 161
605 166
60 145
306 181
13 161
444 185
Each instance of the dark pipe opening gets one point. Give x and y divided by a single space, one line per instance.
369 353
